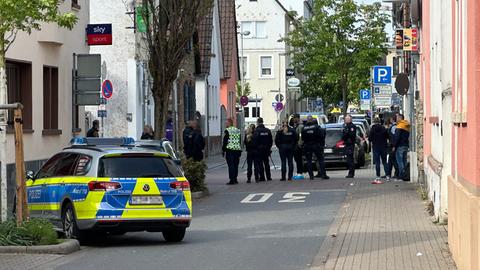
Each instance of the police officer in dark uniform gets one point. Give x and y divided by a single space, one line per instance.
313 137
285 140
262 137
349 136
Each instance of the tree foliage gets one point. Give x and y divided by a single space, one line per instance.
170 26
337 47
247 90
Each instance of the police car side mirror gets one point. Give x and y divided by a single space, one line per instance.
30 175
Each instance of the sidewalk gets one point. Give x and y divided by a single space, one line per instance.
384 227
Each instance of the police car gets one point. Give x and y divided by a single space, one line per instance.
111 186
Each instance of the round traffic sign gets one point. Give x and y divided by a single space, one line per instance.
279 106
402 83
293 82
244 101
107 89
279 97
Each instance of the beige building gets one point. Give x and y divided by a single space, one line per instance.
39 75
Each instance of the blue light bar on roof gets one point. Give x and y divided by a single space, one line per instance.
121 141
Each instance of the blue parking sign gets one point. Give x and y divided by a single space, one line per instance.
365 94
382 75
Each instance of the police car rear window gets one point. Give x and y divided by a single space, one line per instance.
137 167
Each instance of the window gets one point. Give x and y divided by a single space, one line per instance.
256 112
266 66
244 66
75 4
246 111
83 165
257 29
48 169
137 166
19 83
66 165
260 30
50 98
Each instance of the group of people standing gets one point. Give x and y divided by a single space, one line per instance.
390 144
294 140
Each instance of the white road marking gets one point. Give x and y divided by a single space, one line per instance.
263 198
295 197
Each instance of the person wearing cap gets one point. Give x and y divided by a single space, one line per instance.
262 138
379 138
232 150
314 143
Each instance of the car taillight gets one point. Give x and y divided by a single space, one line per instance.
340 144
103 186
180 185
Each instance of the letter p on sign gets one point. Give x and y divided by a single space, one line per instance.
382 75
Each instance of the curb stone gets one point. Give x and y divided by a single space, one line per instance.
66 247
200 194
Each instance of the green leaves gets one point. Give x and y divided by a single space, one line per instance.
27 15
337 47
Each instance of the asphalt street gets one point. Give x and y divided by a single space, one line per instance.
272 225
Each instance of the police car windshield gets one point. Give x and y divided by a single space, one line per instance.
137 167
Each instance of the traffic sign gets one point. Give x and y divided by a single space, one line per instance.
244 101
293 82
279 97
107 89
383 101
382 75
382 90
102 113
279 106
294 89
365 104
274 104
365 94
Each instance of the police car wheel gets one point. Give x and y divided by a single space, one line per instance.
69 222
174 235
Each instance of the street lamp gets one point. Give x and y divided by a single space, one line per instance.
242 69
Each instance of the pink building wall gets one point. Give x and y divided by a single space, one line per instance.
229 85
425 75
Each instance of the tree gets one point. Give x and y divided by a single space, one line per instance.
337 47
247 90
170 26
22 15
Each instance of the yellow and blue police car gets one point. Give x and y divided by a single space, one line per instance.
112 186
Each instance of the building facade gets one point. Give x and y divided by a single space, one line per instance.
39 75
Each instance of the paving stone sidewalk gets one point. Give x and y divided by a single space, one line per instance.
25 261
384 227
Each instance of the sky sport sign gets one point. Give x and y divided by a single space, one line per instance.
99 34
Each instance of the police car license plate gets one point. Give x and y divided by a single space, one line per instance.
136 200
328 150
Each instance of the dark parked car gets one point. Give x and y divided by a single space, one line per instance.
335 148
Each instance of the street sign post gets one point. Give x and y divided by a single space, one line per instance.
383 101
382 90
279 97
382 75
279 106
365 99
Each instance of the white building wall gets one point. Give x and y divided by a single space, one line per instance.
117 58
253 48
441 105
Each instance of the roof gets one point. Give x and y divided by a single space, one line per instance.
228 33
205 33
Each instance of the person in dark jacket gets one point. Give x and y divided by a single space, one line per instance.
285 140
93 132
313 137
391 125
198 142
401 144
349 136
251 153
263 139
379 138
148 133
298 151
188 140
